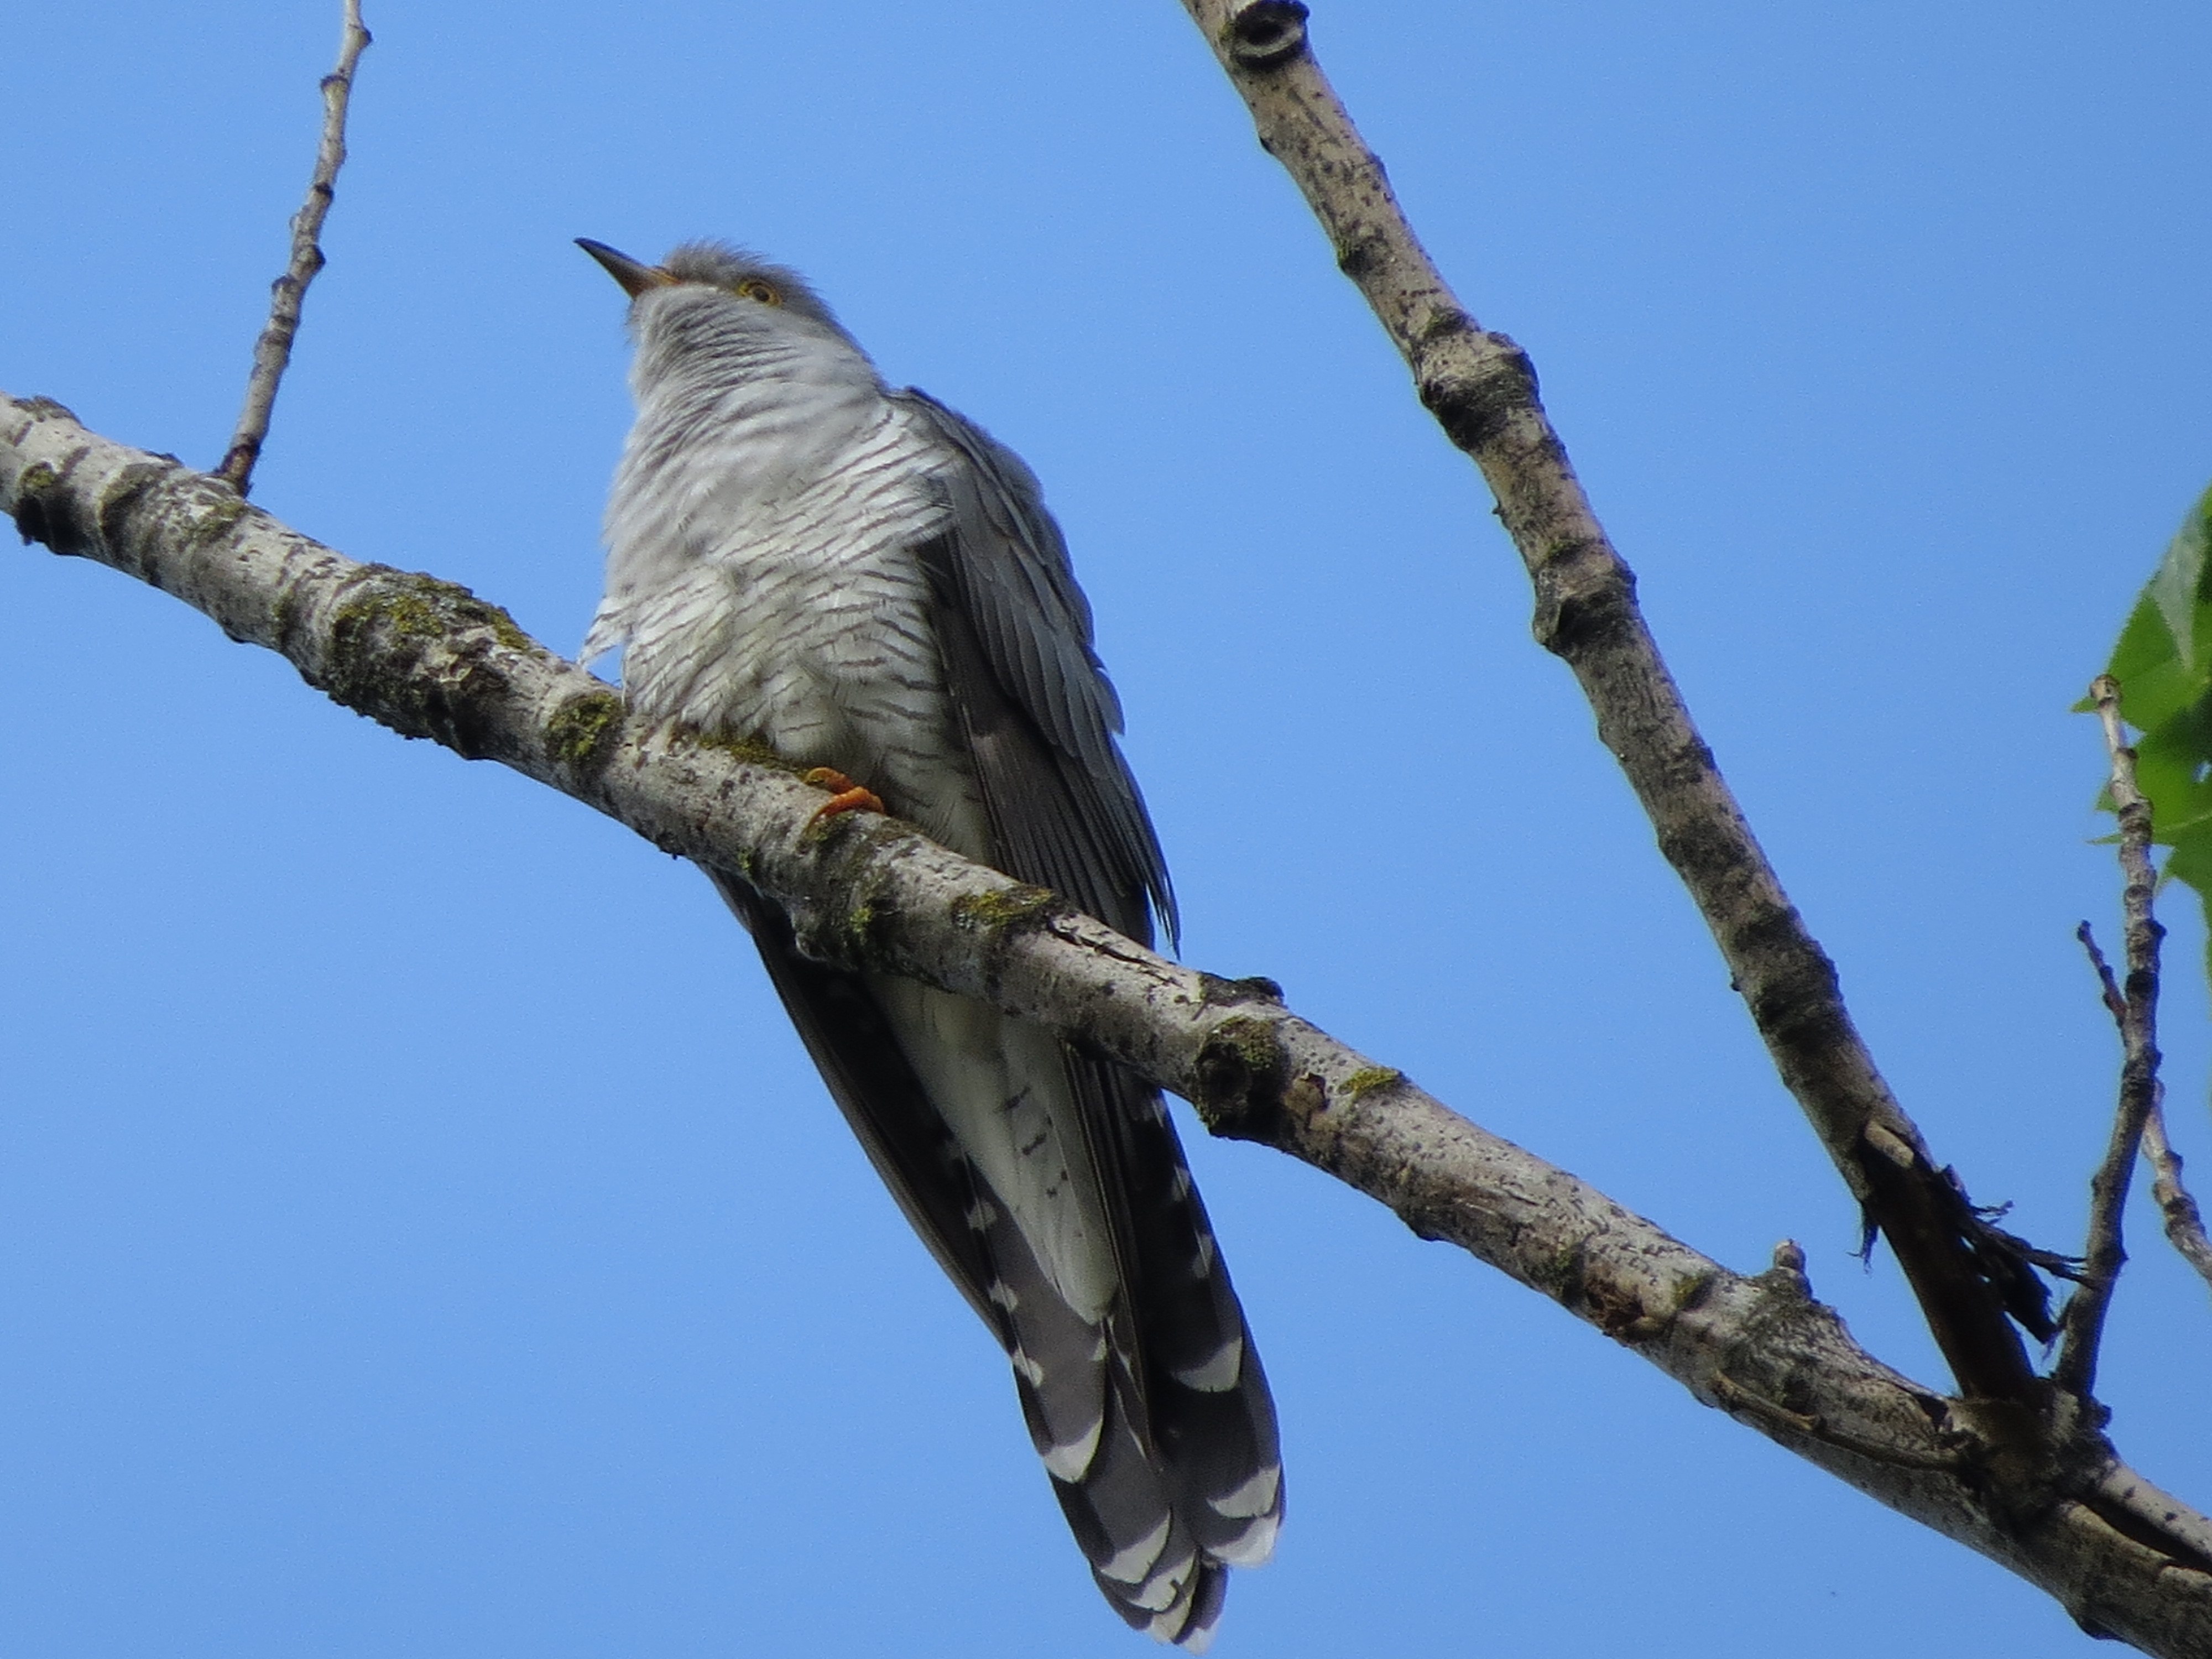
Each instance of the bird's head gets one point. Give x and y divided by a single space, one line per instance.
723 287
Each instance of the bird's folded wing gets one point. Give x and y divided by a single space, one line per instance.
1002 568
1072 821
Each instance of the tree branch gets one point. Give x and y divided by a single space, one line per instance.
430 661
288 293
1481 387
2083 1320
2185 1222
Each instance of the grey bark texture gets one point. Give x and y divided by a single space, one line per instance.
1481 388
2049 1499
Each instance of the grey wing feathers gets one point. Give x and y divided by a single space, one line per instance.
1187 1475
1005 567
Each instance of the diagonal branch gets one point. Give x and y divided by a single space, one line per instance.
430 661
1482 390
2185 1222
2135 1007
288 293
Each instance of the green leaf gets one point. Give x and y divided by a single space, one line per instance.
2156 682
2177 589
2163 661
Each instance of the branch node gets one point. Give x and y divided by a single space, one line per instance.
1267 33
1890 1145
1473 395
32 522
1221 993
1242 1073
1789 1270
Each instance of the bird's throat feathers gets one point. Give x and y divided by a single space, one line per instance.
719 376
694 341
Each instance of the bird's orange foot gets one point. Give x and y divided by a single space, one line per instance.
845 795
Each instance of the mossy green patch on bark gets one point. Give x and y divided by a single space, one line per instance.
412 652
422 607
848 927
751 750
36 479
1368 1079
1560 1278
218 517
1691 1289
1241 1070
1004 909
577 735
33 484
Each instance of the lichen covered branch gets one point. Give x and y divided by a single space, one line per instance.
272 352
429 659
1482 390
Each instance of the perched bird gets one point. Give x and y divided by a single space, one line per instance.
869 584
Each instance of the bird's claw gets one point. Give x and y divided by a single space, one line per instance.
845 795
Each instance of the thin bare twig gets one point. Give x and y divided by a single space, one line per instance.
2083 1320
273 350
2116 1004
1481 388
2185 1222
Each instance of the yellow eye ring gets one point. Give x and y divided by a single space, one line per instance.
753 288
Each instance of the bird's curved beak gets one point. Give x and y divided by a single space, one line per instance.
633 277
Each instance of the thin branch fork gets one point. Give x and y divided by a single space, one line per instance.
272 352
429 660
1482 390
2134 1004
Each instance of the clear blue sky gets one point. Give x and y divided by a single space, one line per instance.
420 1234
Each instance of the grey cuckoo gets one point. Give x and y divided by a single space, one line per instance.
870 585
